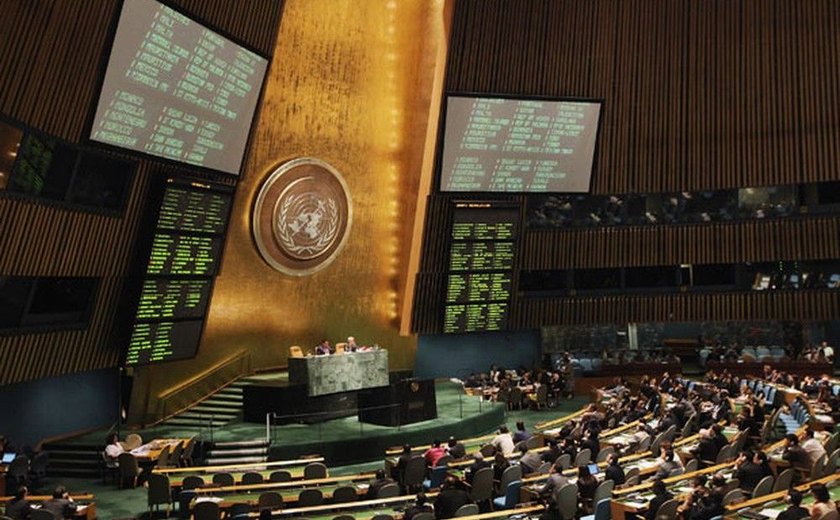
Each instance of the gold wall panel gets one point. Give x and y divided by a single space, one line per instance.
350 84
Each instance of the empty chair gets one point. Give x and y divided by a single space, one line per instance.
382 517
831 464
692 465
163 458
488 450
602 511
207 511
388 491
511 496
159 492
344 494
632 481
818 471
280 476
604 453
725 454
314 470
351 517
668 510
467 510
310 497
482 485
191 482
564 461
583 457
415 472
252 477
187 454
604 490
270 500
295 351
239 510
763 487
544 468
128 469
784 480
509 475
733 496
566 499
223 479
534 442
176 454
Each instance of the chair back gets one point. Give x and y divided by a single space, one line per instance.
632 481
604 490
512 494
668 510
544 468
564 461
764 487
133 441
207 511
444 461
509 475
482 485
583 457
602 509
415 472
159 490
42 514
128 468
280 476
191 482
831 464
187 455
176 454
310 497
692 465
340 348
566 499
238 510
270 500
604 453
534 441
382 517
832 443
388 491
725 454
295 351
733 496
344 494
436 477
314 470
425 515
223 479
252 477
819 467
830 515
644 444
784 480
163 458
467 510
488 450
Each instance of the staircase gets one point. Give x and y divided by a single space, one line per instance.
237 452
74 460
217 410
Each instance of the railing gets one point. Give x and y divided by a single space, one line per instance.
192 391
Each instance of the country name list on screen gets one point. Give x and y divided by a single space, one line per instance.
518 145
175 89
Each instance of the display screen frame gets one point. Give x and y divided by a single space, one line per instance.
441 142
100 84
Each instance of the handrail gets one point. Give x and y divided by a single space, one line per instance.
284 485
181 396
249 465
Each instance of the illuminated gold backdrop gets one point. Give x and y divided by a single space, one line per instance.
350 83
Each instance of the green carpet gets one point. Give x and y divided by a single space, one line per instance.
112 503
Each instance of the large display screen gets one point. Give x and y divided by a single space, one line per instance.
518 145
163 341
178 90
481 261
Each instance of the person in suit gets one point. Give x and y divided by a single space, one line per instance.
450 498
421 505
477 464
794 454
707 449
552 453
614 471
795 511
323 348
61 504
19 508
555 481
455 449
399 469
380 482
747 471
530 460
660 496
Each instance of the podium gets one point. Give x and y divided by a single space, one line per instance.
404 402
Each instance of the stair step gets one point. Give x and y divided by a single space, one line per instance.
187 422
73 472
238 444
73 463
208 409
64 454
238 460
243 452
225 398
230 390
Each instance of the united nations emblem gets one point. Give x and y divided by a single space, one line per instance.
302 216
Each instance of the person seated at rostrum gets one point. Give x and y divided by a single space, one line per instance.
323 348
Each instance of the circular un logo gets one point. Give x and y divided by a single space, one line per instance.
302 216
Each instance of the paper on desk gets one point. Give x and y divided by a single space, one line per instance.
770 513
208 499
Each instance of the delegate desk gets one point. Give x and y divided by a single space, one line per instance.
345 372
85 506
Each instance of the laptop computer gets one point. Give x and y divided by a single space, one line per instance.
8 457
594 469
